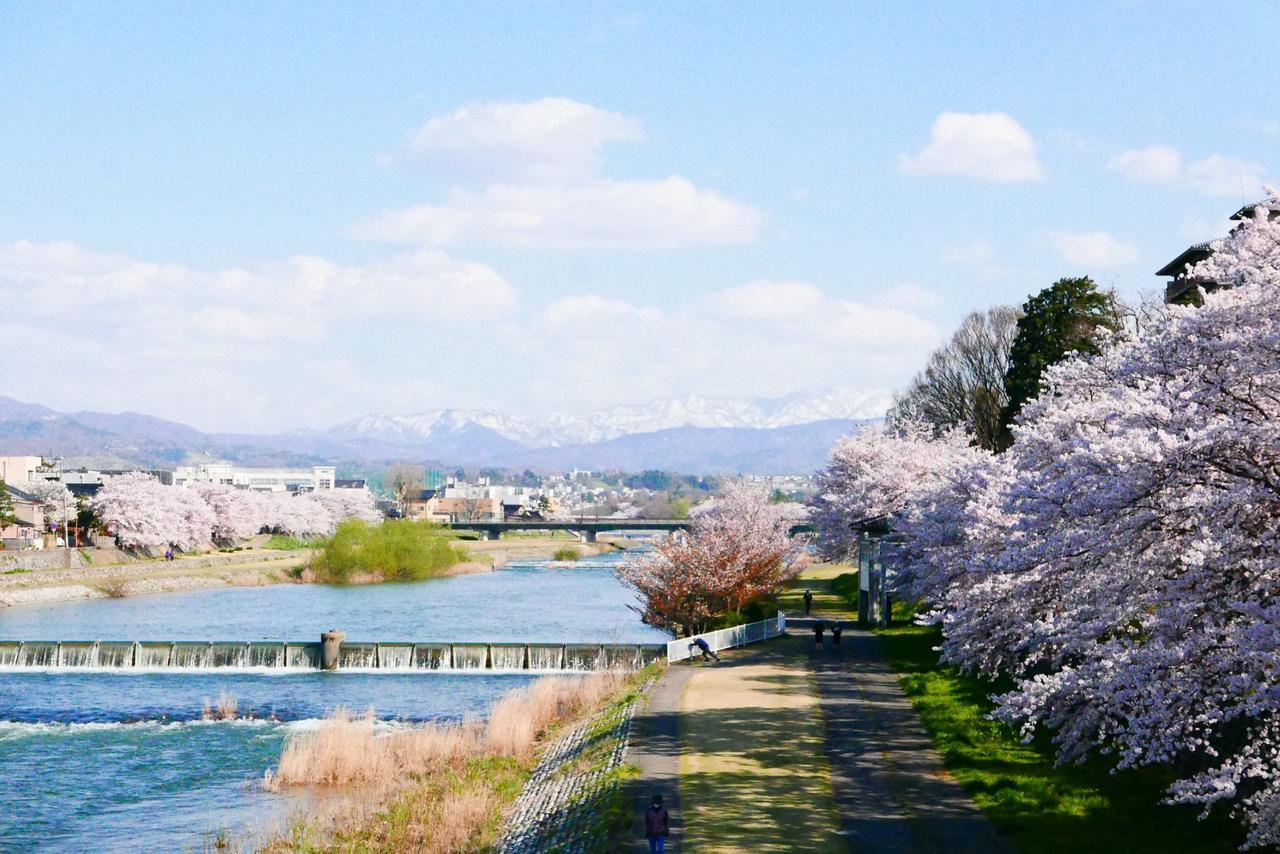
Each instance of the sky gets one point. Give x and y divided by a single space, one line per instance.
258 217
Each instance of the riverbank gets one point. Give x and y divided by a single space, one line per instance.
544 769
254 567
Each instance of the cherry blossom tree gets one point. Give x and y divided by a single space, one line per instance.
877 472
55 498
1121 562
738 552
143 512
348 504
238 513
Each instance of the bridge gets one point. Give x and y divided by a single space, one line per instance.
589 527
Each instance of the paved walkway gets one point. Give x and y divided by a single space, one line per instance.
890 786
654 747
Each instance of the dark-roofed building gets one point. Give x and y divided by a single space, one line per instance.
1182 285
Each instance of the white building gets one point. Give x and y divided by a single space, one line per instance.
261 479
20 470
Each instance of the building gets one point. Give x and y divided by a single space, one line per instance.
27 532
260 479
25 469
1182 286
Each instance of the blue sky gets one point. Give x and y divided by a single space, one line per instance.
254 218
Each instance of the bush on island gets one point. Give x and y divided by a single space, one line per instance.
396 550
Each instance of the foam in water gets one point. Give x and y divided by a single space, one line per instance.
546 656
470 656
9 654
506 656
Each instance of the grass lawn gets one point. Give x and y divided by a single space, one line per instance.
832 585
754 775
1037 806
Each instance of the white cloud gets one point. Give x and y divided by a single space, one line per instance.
909 296
761 338
611 214
552 139
1092 248
987 146
1155 164
1215 175
1218 175
765 300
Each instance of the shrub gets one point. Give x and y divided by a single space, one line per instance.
565 553
396 550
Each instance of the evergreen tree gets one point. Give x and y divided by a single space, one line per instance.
1060 319
7 515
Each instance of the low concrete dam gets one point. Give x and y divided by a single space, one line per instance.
331 653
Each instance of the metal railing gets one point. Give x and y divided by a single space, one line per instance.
683 648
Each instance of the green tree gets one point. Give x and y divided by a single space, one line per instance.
7 515
1060 319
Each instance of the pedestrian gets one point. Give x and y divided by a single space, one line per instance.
808 601
657 825
835 634
168 553
707 654
818 626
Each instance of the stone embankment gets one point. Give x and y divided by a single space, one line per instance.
250 568
562 806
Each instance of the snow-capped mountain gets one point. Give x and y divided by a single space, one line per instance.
554 431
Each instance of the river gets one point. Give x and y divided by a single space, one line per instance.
120 761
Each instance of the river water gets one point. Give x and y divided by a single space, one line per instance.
118 761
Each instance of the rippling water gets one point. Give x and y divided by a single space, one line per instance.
118 761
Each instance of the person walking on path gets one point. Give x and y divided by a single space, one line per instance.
657 825
835 634
818 626
808 601
707 654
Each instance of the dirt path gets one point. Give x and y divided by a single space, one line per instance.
754 775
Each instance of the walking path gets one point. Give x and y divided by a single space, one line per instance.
654 748
890 785
754 776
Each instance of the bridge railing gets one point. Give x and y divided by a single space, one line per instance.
685 648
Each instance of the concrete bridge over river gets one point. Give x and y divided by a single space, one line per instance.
587 527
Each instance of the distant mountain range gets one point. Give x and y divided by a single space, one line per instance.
695 435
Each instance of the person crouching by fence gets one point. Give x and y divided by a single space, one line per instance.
707 654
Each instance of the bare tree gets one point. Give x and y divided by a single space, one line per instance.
403 481
963 384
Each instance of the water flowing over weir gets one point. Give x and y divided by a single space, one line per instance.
363 656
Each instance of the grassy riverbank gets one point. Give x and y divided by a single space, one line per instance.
1037 805
442 787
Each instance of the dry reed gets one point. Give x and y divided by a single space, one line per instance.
349 750
223 710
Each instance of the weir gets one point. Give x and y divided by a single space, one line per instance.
361 656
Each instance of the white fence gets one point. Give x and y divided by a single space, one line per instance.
679 650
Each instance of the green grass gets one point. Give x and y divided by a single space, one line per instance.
281 542
1038 806
565 553
396 550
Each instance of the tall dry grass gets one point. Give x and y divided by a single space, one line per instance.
224 709
349 750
